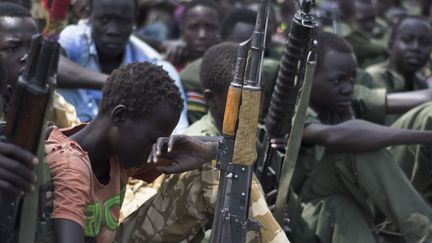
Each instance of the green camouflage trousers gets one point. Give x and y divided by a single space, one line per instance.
182 206
342 193
416 160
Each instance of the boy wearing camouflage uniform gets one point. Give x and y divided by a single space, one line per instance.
185 203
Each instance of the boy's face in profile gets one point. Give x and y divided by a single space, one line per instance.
334 82
15 38
133 137
412 45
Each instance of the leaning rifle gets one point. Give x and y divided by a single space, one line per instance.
278 122
239 130
25 123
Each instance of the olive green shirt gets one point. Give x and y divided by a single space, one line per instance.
367 50
393 81
190 78
206 126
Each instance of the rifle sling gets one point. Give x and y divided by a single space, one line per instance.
294 142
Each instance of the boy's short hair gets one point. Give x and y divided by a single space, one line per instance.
395 28
328 41
207 3
139 86
217 67
90 5
240 15
9 9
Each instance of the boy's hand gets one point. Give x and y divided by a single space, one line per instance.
279 143
180 153
15 173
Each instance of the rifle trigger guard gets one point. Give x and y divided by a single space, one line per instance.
249 224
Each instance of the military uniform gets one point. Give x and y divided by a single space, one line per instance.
393 81
192 85
185 203
190 78
62 114
426 72
367 50
342 190
415 160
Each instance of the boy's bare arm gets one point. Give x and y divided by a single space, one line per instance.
68 231
361 136
401 102
72 75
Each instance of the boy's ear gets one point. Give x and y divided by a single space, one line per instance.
209 97
119 115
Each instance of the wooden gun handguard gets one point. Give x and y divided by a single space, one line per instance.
245 142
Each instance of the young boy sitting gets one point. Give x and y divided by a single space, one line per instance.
410 46
347 173
90 164
185 203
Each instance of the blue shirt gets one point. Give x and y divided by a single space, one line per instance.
80 48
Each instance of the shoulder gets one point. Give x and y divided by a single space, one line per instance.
377 68
190 76
145 48
206 126
63 114
364 78
73 39
311 117
379 72
65 155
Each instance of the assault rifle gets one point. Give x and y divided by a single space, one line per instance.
239 130
25 123
278 122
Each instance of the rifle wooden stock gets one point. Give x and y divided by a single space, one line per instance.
25 122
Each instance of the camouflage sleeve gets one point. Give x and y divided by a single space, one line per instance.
365 79
379 74
311 117
372 103
62 113
271 232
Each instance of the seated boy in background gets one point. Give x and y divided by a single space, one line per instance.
344 171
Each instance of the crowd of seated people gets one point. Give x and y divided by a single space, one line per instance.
139 106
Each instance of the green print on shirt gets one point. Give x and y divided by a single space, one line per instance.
95 215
